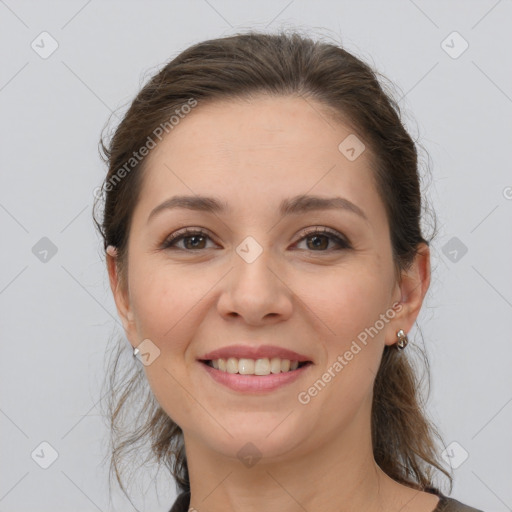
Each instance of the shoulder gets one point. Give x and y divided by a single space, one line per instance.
452 505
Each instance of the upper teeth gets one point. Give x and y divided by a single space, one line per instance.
264 366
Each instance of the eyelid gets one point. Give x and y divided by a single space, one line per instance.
322 230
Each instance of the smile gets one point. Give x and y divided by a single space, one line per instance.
250 381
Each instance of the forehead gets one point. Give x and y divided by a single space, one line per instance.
258 150
264 124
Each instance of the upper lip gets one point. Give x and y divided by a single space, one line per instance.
248 352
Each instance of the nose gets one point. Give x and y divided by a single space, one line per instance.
256 291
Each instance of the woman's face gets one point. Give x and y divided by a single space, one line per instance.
260 276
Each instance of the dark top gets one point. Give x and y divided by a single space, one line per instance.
445 504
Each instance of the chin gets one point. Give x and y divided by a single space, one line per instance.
264 441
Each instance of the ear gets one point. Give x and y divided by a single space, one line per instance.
121 296
410 292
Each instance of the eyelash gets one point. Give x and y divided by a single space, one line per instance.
169 243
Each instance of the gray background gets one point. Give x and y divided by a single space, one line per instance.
57 315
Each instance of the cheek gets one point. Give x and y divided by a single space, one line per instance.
343 302
346 305
165 304
163 298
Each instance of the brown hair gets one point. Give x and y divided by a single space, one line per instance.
276 64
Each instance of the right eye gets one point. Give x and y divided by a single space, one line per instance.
194 235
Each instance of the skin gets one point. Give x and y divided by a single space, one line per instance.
253 154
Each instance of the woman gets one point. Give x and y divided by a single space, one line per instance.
264 249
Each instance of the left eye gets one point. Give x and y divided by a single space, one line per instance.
198 237
317 235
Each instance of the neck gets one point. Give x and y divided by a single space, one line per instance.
337 474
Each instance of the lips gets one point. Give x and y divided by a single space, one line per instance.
247 352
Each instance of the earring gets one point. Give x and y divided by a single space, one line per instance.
112 250
135 352
402 339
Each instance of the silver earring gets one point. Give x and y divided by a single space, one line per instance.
402 339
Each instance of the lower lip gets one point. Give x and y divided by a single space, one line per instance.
254 383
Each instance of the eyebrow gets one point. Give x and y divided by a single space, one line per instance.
292 206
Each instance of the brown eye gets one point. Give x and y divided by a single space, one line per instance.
196 241
318 240
193 240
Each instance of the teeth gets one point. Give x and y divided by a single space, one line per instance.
264 366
